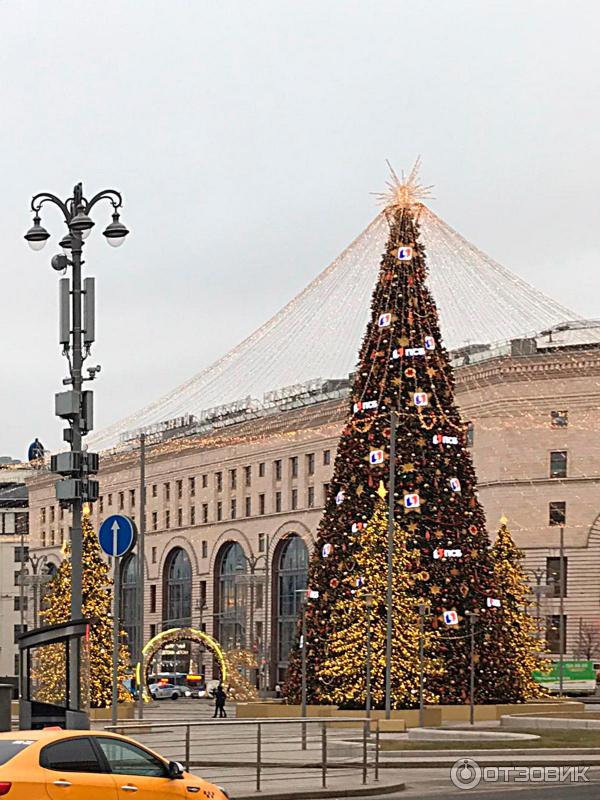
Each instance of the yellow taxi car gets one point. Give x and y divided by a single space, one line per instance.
55 764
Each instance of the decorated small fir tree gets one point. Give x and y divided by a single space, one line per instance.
518 647
342 674
96 606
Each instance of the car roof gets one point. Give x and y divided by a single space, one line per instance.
47 734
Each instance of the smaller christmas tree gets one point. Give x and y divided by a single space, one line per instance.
96 606
520 649
342 674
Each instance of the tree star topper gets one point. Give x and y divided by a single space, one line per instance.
404 192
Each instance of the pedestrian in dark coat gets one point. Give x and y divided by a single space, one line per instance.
220 698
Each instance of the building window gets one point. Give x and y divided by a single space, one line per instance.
8 522
294 466
310 463
129 601
219 481
261 504
233 508
325 492
177 590
17 576
52 513
42 516
248 476
167 519
61 513
259 596
262 541
277 467
154 554
202 595
192 515
204 513
558 464
277 502
294 499
470 434
154 490
559 419
326 458
121 501
167 492
205 481
204 548
310 497
290 582
52 537
155 520
230 608
132 497
153 598
248 508
110 499
557 513
219 511
179 490
153 630
553 575
17 603
192 487
553 633
261 469
180 517
18 630
43 538
233 479
101 504
21 553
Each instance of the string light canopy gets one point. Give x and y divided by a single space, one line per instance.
318 333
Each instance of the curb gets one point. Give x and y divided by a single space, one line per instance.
374 790
448 763
398 755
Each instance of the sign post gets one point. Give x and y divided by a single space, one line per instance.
117 537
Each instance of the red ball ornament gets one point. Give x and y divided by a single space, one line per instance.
410 372
334 583
473 529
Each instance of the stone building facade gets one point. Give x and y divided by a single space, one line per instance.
231 513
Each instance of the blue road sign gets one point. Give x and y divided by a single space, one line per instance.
117 535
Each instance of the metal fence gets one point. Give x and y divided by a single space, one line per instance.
263 750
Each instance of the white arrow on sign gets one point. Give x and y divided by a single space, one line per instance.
115 532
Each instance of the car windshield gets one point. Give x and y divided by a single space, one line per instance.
10 747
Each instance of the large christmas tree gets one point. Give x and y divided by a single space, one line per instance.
96 606
404 369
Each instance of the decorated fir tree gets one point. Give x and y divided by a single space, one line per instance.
517 646
342 674
96 606
404 368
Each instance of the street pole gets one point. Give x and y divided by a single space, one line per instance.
368 607
390 565
266 642
141 576
472 619
304 693
561 656
116 630
422 612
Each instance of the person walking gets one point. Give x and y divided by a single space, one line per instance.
220 698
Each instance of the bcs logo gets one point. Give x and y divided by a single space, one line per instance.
339 498
358 526
405 253
439 438
376 457
385 320
365 405
493 602
412 500
429 343
312 594
420 398
451 617
441 552
455 484
327 550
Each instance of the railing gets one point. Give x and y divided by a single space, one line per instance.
261 750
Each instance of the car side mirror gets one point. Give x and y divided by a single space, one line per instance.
175 770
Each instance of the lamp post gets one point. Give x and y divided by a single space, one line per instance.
390 563
368 598
304 693
76 336
561 612
473 617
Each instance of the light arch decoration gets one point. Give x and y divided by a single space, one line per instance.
154 645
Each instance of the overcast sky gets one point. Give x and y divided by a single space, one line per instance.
246 138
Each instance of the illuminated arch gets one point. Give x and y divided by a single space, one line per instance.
163 638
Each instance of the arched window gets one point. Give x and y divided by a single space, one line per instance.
231 562
129 603
291 577
177 590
